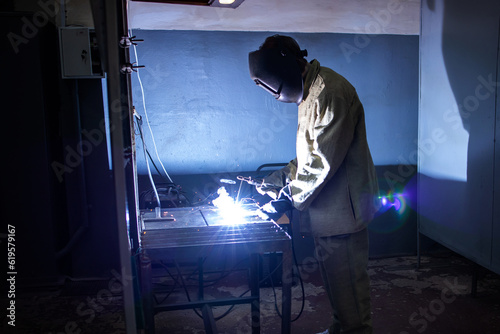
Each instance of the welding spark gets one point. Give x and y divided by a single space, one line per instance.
230 211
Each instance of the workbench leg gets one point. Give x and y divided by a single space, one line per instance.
255 291
208 315
287 280
201 281
208 320
147 294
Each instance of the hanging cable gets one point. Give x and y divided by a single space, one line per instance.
139 125
146 113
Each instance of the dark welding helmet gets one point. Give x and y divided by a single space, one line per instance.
277 71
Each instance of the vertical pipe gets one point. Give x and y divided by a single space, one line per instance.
109 18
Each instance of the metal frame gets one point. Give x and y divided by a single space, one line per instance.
196 242
110 21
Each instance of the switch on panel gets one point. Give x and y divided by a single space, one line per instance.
79 53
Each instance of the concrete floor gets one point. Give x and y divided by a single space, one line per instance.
433 299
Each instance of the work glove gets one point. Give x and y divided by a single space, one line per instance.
268 189
276 208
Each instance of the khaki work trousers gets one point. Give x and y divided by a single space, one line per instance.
343 262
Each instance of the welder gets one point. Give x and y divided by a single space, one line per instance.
332 180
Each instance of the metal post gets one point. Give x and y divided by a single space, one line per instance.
255 291
287 280
110 20
147 293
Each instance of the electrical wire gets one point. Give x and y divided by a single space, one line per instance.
185 288
182 282
146 113
298 275
244 293
139 124
301 286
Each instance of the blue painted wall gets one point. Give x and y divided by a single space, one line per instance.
208 116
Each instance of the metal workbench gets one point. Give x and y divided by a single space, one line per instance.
193 233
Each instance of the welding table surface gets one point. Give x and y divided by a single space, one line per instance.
203 226
199 229
194 216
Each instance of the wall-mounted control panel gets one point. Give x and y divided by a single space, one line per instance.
80 56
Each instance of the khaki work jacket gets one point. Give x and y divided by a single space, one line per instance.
332 180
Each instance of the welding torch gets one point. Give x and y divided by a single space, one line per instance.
281 200
250 181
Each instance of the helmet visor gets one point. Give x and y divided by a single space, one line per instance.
278 73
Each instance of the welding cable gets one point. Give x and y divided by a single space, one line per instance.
247 291
225 273
140 133
145 149
176 282
172 290
298 275
303 295
182 282
156 167
185 288
146 113
139 124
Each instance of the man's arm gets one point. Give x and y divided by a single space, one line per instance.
324 151
274 182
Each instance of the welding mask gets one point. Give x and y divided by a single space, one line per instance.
277 71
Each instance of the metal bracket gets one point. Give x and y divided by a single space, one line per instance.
128 68
127 41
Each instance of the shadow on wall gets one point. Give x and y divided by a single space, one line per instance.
456 187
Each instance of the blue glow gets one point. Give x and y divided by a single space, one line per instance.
393 200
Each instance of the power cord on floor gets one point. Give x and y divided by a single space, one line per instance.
298 275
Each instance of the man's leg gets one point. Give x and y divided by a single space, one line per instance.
343 262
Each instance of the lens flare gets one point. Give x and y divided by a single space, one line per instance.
393 200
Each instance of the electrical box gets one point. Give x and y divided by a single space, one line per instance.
80 56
